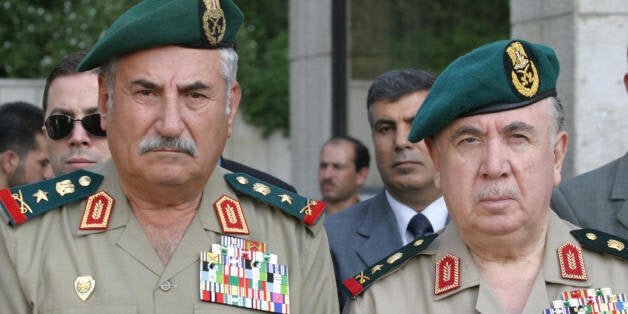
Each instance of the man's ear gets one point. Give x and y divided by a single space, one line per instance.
363 174
430 144
234 104
560 150
9 160
103 96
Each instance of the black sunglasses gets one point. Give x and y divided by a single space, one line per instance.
59 126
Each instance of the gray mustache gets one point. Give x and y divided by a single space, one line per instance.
497 191
176 143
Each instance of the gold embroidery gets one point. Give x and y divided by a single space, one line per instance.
19 198
395 257
242 180
261 188
614 244
524 75
65 187
41 195
286 198
361 278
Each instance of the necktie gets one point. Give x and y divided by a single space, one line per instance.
419 226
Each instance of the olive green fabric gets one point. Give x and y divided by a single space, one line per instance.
499 76
153 23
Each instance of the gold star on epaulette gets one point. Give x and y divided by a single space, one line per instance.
286 198
41 195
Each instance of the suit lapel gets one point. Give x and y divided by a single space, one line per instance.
620 190
379 228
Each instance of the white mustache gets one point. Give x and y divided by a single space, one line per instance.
161 142
497 191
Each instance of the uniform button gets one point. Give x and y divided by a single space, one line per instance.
165 286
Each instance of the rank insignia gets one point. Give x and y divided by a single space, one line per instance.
309 211
97 212
214 23
447 274
84 286
24 202
358 283
571 262
230 216
602 242
524 76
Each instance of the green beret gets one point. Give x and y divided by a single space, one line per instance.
151 23
499 76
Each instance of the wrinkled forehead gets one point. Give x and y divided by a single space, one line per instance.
537 116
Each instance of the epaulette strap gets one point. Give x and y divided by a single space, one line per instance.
601 242
358 283
307 210
24 202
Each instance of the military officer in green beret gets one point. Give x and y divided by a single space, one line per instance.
494 128
160 228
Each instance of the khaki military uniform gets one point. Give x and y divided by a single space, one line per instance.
411 287
42 258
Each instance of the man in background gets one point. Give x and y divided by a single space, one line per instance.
597 199
409 206
342 171
72 128
23 157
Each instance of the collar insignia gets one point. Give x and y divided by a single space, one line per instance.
97 212
571 262
447 274
230 216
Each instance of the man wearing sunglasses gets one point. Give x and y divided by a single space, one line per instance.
23 157
160 228
72 124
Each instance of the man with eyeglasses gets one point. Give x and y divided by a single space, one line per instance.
74 137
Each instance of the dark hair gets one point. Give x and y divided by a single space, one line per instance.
65 67
395 84
19 123
362 158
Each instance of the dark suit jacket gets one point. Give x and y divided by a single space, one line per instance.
360 236
596 199
235 166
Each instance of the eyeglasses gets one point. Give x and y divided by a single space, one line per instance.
59 126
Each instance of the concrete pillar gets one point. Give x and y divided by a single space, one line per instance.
310 89
590 38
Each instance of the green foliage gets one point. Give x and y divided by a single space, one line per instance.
423 34
264 68
37 34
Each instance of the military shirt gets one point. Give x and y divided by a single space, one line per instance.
411 287
42 259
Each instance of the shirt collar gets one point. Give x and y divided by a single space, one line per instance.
436 213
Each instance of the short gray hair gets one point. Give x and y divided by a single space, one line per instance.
229 72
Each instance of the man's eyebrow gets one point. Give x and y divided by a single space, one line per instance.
383 121
518 127
145 83
465 130
194 86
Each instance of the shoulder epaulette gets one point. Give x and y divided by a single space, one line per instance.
307 210
358 283
601 242
24 202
